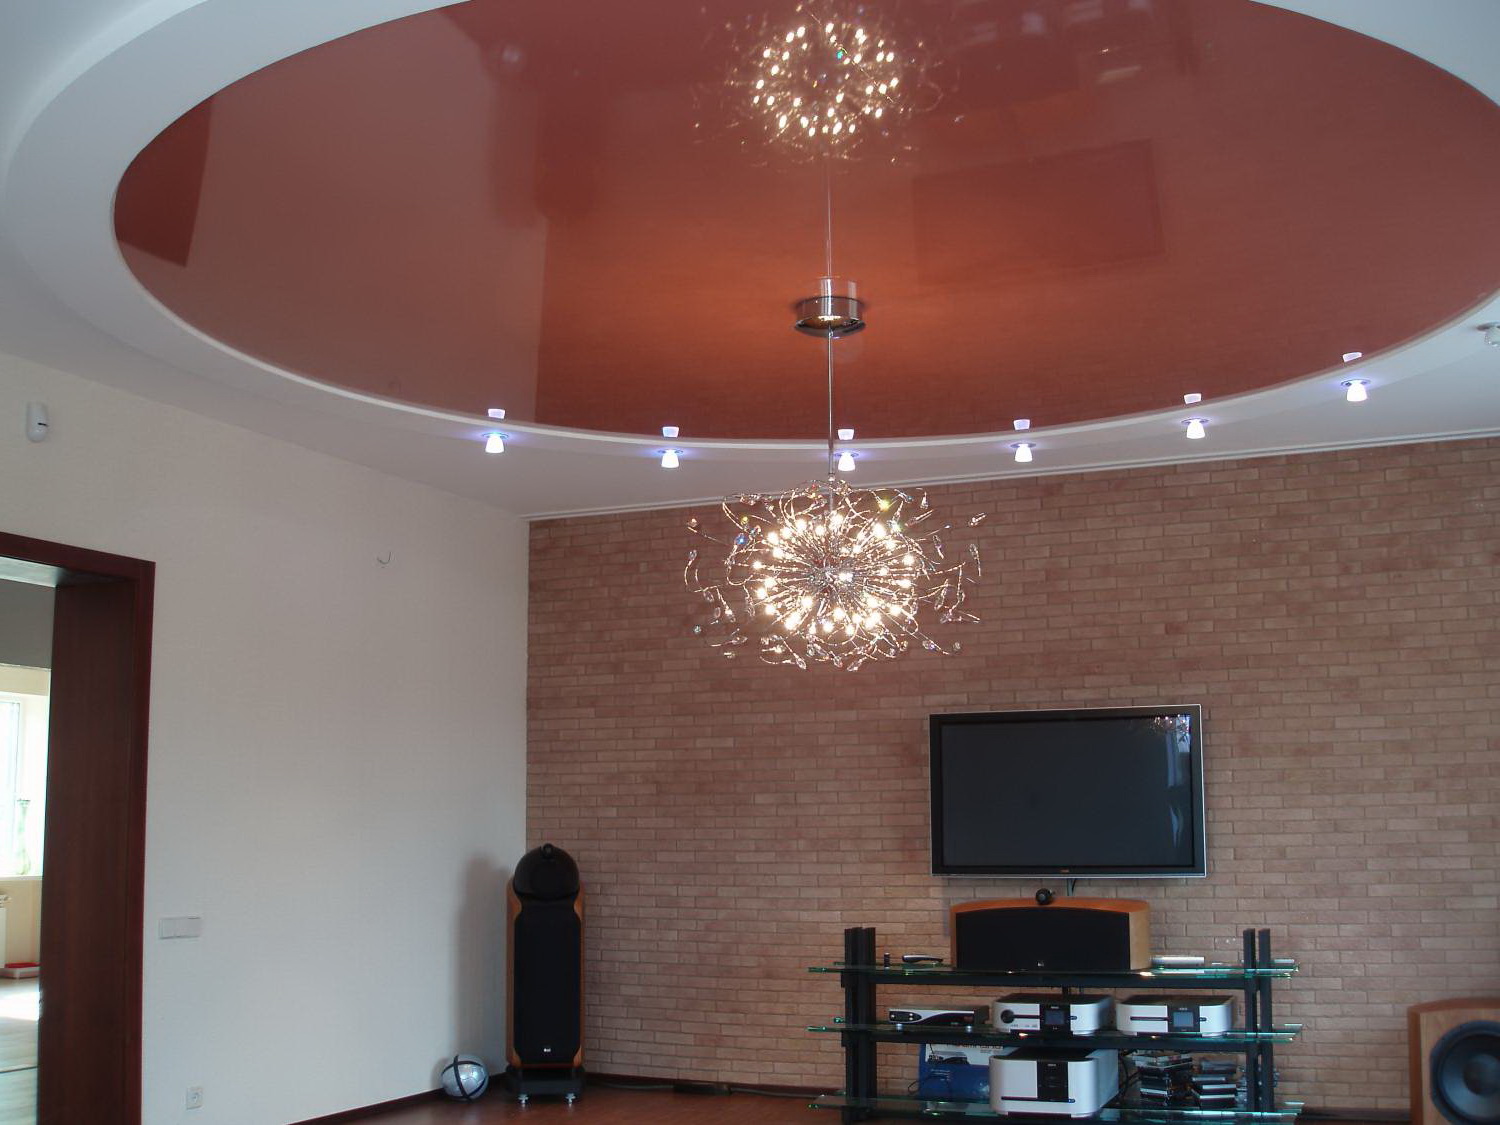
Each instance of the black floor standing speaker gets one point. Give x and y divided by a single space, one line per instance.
544 953
1455 1061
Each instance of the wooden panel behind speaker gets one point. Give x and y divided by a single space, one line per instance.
1066 935
1428 1023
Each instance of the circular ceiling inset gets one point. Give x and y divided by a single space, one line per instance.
1106 205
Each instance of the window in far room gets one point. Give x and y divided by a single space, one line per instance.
24 698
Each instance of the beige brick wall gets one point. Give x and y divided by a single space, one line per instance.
1334 614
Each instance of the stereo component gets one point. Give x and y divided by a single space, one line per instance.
935 1016
1455 1061
1158 1013
1063 934
1043 1011
1066 1083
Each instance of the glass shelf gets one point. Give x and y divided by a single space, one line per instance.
894 1106
1200 976
1234 1040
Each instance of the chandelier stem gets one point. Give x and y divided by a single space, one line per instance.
828 272
827 216
831 462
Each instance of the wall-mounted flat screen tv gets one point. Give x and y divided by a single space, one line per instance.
1111 792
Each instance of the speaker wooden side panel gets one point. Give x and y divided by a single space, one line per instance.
583 977
513 908
1425 1025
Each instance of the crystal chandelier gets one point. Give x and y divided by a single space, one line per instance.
826 573
829 573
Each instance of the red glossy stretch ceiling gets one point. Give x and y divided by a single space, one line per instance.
557 209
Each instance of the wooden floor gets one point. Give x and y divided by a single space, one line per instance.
604 1106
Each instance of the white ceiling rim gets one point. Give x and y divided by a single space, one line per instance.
111 93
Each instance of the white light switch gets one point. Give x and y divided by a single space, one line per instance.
185 927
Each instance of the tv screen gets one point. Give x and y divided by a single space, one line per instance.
1107 792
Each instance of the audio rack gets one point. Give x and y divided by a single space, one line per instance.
860 1030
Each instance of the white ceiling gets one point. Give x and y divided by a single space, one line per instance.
85 85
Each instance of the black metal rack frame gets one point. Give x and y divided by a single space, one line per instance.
859 976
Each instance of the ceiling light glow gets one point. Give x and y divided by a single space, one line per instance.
1195 430
834 77
669 458
846 462
1354 390
1023 450
494 443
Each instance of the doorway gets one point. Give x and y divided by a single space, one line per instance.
25 690
89 1035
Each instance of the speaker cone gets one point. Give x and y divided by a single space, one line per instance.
1466 1074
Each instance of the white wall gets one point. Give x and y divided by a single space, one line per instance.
337 748
25 624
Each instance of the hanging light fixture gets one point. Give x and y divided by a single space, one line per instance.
829 573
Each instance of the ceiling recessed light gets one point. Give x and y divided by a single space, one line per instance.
846 462
494 443
1354 390
669 458
1195 430
1023 450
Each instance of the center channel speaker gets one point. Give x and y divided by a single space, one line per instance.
1455 1061
544 1025
1082 935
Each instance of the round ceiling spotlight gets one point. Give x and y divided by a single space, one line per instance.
835 311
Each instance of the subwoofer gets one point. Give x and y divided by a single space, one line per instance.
544 1013
1455 1061
1065 934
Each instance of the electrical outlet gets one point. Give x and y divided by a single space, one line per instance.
195 1097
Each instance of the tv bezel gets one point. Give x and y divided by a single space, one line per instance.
1199 866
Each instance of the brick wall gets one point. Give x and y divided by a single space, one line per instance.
1334 613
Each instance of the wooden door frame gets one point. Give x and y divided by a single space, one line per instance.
93 914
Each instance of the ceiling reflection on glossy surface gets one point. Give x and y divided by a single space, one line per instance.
1112 203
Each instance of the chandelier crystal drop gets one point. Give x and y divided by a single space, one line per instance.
829 80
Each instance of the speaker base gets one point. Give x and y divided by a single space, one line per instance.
524 1081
